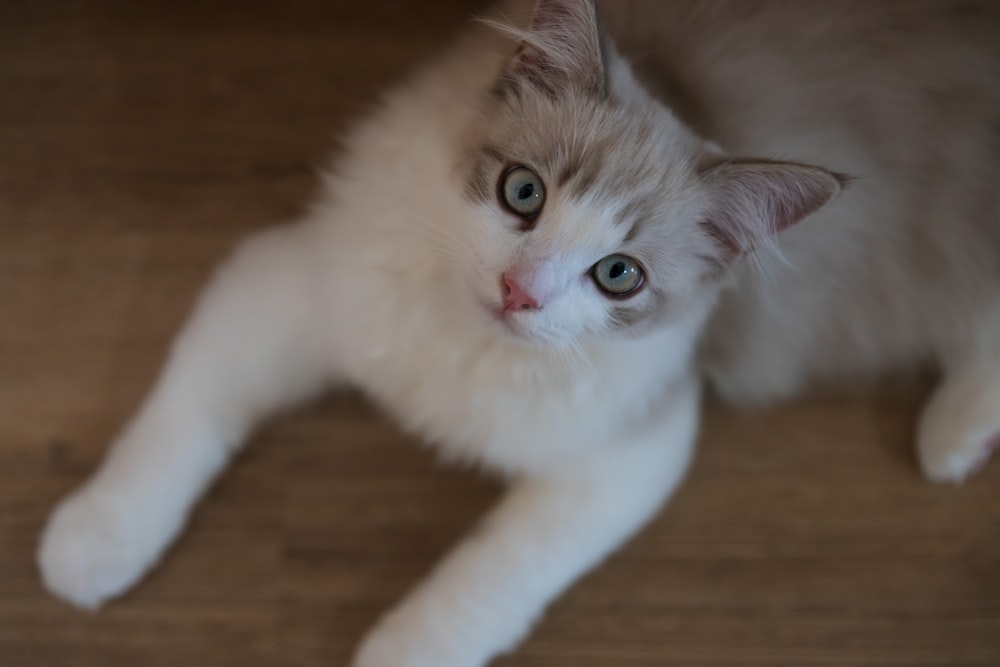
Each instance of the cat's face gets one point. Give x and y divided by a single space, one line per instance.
581 222
594 212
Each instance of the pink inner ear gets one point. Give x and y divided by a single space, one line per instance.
755 200
561 47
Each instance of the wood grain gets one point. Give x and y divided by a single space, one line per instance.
137 142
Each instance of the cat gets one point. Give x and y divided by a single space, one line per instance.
532 251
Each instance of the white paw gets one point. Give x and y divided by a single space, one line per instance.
387 648
407 639
89 552
959 428
380 649
953 461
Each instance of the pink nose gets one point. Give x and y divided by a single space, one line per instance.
515 297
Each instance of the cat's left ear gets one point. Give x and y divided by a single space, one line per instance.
751 201
564 47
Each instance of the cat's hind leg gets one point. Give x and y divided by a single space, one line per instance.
960 425
254 344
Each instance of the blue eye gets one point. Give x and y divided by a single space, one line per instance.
617 275
523 192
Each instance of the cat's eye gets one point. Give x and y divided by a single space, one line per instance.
617 275
523 192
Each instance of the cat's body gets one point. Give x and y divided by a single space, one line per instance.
902 96
468 267
904 268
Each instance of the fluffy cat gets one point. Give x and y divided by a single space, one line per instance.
516 256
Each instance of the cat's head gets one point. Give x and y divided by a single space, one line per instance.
596 212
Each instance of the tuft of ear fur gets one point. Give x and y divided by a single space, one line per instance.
752 200
563 48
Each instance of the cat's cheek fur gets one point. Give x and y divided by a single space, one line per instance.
574 316
485 245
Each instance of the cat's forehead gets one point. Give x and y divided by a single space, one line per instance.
583 148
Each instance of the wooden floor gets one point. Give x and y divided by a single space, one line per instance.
137 142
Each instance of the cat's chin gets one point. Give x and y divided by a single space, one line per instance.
511 327
508 326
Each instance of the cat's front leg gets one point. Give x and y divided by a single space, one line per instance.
549 530
254 344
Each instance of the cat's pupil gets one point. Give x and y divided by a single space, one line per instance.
526 191
617 269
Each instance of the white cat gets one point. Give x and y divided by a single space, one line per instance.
516 255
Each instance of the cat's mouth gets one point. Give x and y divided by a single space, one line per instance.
521 327
507 320
509 323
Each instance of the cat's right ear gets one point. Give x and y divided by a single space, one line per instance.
752 200
563 48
